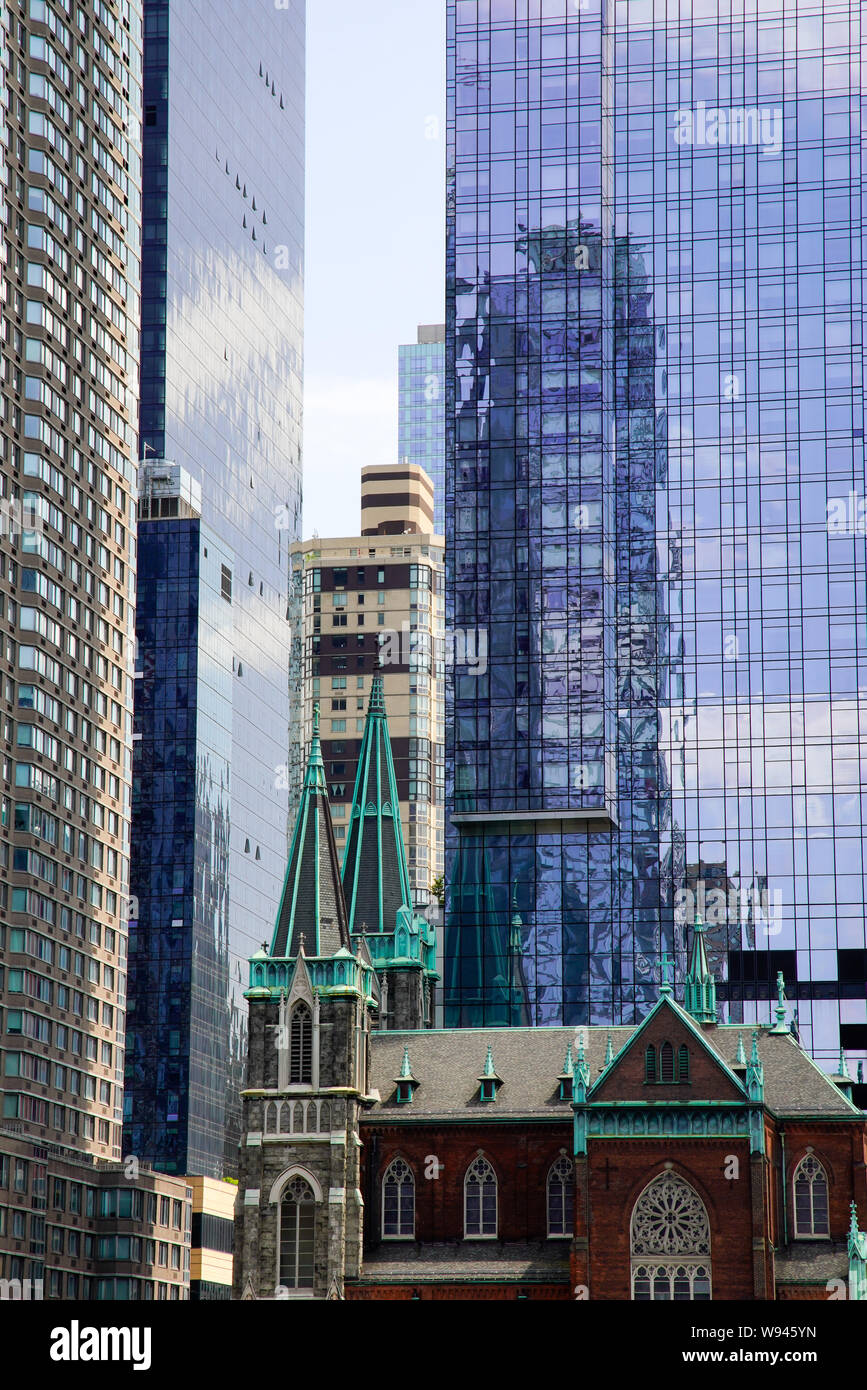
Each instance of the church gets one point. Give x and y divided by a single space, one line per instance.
381 1158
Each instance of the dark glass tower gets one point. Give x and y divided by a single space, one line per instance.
654 492
180 1078
221 398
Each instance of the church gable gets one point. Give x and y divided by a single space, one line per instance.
667 1059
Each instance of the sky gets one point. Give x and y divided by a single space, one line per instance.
375 236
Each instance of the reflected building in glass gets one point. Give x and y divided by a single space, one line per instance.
421 407
222 301
655 506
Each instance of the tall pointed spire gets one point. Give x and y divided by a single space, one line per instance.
312 908
699 994
375 872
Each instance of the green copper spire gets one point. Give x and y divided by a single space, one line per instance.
406 1083
581 1081
609 1052
740 1055
699 994
755 1077
857 1244
312 907
489 1081
567 1075
841 1078
781 1026
375 873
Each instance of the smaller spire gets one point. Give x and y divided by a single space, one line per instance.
843 1069
740 1055
581 1071
581 1068
489 1081
853 1219
699 994
781 1026
609 1051
755 1077
567 1075
405 1082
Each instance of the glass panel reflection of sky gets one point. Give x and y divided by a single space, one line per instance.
222 306
719 160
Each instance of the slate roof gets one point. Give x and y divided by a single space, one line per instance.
469 1259
812 1261
448 1062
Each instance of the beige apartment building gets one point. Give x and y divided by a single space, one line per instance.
80 1229
367 603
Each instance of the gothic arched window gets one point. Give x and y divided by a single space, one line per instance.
811 1198
670 1243
398 1201
301 1046
480 1199
297 1227
666 1062
650 1063
561 1197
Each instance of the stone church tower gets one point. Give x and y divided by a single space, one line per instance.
314 998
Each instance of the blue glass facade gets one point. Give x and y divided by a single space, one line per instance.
222 305
422 401
180 1023
654 493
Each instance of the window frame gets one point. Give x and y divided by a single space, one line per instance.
468 1185
567 1184
822 1174
399 1235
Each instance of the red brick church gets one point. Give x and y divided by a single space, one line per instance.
677 1159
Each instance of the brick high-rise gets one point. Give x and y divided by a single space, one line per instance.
70 234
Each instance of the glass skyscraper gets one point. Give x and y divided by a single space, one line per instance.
180 1076
421 422
655 506
222 300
